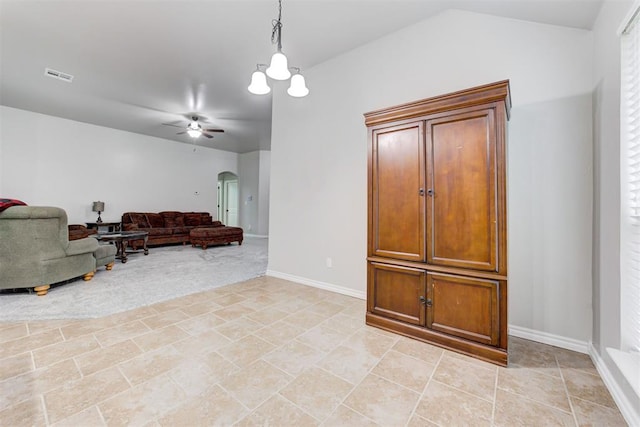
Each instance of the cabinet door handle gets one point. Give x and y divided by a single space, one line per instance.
430 192
425 301
421 191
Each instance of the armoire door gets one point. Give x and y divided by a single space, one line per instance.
397 211
397 292
462 226
465 307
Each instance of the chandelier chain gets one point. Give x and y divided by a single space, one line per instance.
276 33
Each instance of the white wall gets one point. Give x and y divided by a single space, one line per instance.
254 175
319 157
248 182
264 189
606 225
51 161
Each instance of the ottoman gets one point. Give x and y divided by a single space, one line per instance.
205 236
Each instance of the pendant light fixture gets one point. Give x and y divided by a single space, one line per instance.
278 68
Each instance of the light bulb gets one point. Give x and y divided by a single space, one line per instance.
278 70
298 87
194 133
258 84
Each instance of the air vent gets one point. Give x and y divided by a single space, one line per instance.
58 75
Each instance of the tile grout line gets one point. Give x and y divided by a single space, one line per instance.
424 389
566 390
43 405
495 397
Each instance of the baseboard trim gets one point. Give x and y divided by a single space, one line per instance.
317 284
551 339
629 411
256 235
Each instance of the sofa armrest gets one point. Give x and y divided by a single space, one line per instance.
82 246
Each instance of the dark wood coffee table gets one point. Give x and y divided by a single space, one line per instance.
121 239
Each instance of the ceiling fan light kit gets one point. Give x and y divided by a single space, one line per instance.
194 129
278 68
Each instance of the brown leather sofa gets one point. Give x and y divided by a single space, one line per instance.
166 227
79 231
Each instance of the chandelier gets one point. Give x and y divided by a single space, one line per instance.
278 69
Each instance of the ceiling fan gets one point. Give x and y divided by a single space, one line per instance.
194 129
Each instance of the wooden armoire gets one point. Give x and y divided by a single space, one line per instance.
437 238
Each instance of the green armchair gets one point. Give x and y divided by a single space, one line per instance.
35 250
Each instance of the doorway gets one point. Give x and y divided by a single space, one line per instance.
228 199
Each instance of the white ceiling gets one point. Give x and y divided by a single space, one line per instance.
139 63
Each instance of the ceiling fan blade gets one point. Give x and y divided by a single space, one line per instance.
214 130
171 124
207 135
181 133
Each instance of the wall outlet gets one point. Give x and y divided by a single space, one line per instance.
329 262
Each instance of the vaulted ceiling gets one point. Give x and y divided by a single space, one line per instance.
140 63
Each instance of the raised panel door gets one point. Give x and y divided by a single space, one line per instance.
396 292
462 185
397 211
464 307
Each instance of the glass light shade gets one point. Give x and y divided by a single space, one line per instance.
194 133
258 84
298 87
194 125
278 70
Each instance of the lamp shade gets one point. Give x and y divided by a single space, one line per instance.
298 87
258 84
278 70
98 207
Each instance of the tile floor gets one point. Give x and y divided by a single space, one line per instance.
271 352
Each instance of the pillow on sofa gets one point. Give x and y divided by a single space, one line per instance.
192 219
140 219
155 220
173 222
7 203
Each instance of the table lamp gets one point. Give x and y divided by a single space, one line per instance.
98 207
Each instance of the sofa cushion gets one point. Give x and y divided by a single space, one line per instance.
192 219
182 230
160 231
129 227
155 220
140 219
174 221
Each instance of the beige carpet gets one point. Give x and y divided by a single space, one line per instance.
166 273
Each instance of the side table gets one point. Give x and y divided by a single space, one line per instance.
111 226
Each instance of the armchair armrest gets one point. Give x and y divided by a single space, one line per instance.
82 246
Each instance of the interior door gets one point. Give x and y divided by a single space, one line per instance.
231 203
220 216
462 185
